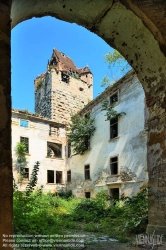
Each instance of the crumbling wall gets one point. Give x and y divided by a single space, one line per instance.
129 146
56 99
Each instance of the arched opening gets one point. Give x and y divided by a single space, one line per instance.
121 26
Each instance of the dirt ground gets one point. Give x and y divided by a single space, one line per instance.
120 246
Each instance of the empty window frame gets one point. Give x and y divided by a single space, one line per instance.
69 176
87 172
113 128
24 123
87 195
114 98
54 176
26 173
54 150
25 140
114 165
58 177
50 176
114 193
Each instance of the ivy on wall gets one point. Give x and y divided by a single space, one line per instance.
110 112
79 132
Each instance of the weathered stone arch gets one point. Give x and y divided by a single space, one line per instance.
134 28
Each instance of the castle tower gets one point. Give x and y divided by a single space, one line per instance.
63 89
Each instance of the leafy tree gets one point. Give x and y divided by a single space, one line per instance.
21 151
110 112
116 63
80 130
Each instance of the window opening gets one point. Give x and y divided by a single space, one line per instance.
64 77
69 150
54 131
113 128
114 98
59 177
114 193
87 194
114 165
54 150
50 176
69 176
87 172
23 123
25 140
26 173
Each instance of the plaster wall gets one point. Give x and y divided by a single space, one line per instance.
38 134
130 146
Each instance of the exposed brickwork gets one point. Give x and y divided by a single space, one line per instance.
62 89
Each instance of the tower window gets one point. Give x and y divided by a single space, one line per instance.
64 77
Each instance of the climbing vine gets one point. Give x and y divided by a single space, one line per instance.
21 151
110 111
79 132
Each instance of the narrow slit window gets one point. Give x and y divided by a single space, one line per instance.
113 128
114 165
69 176
87 172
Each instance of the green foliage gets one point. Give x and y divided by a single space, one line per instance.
91 209
76 76
118 65
110 112
105 82
65 194
114 57
80 130
33 180
39 213
20 151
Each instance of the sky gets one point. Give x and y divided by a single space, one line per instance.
32 43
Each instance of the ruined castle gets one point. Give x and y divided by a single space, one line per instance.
116 160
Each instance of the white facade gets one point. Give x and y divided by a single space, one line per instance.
40 133
115 163
127 150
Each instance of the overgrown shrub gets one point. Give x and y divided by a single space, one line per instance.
91 209
65 194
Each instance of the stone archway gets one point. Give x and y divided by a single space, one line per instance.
135 29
